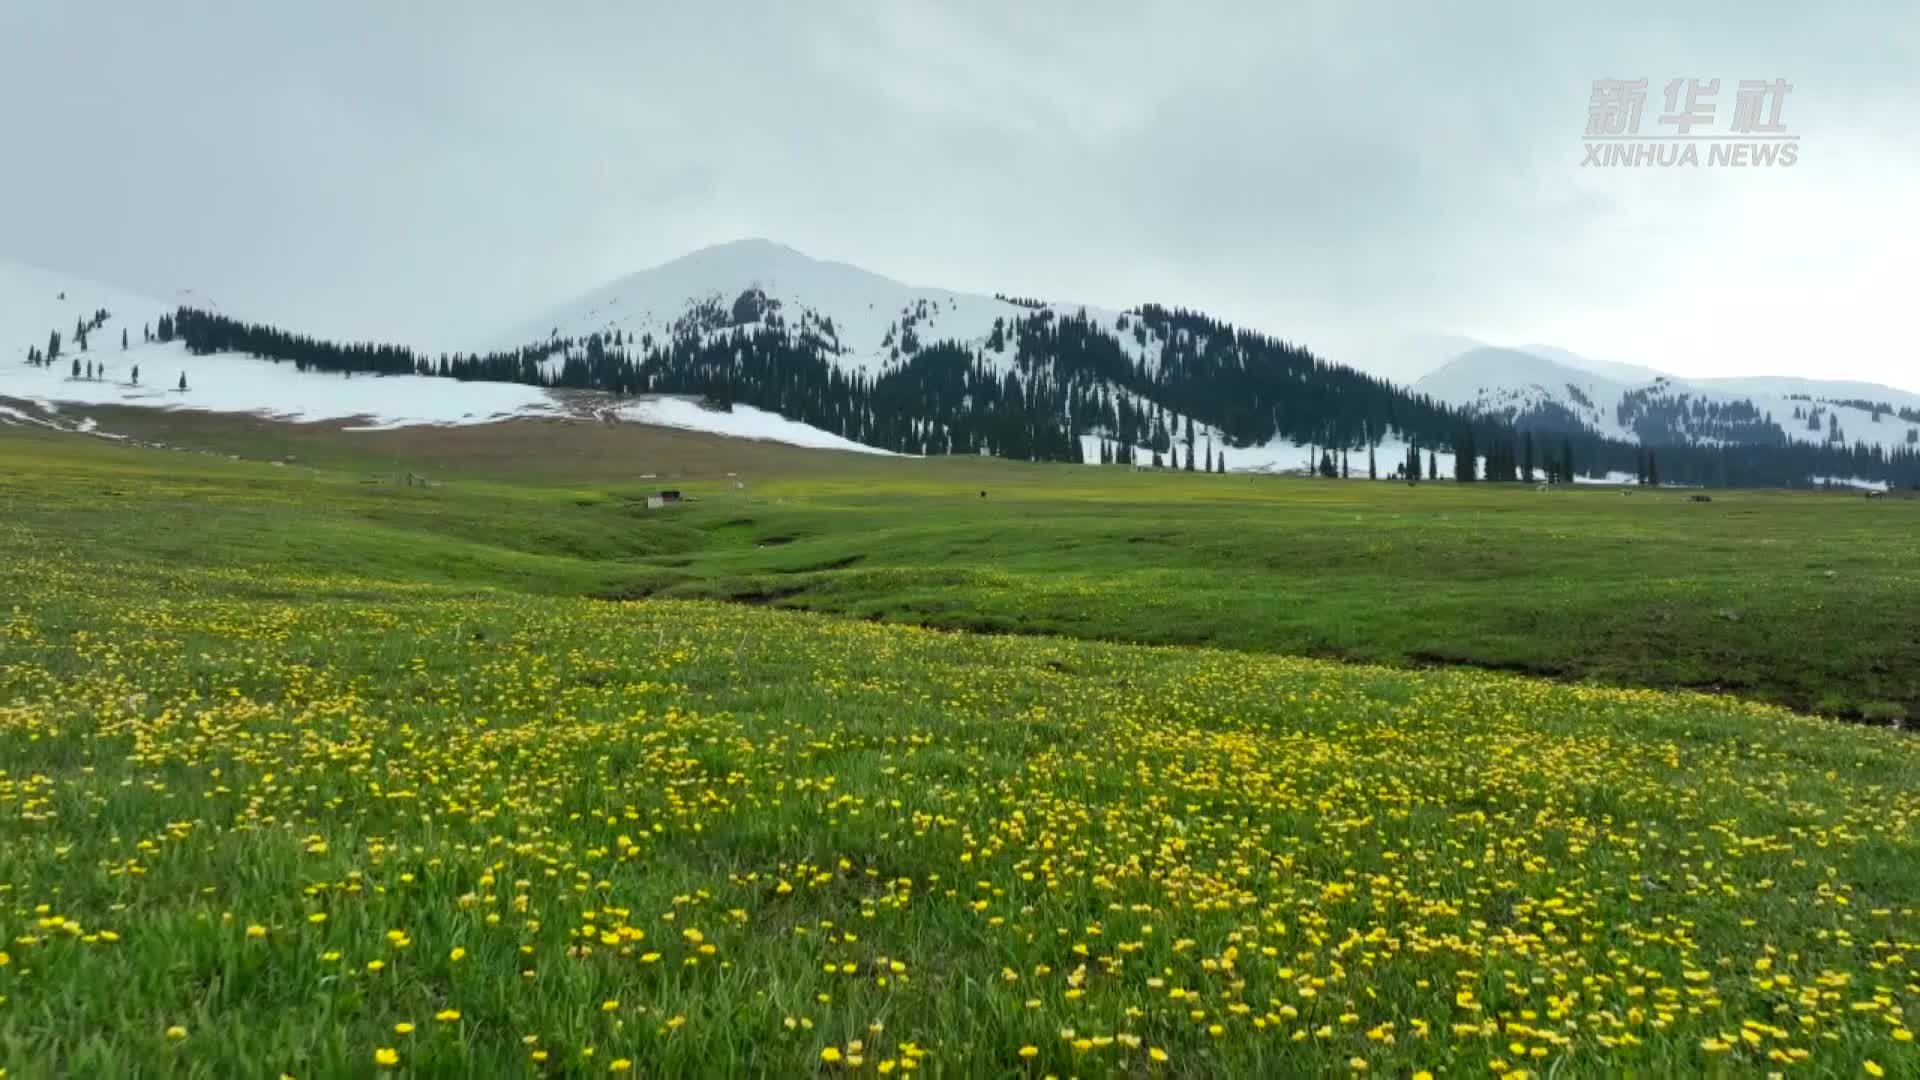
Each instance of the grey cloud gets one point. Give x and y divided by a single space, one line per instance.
432 171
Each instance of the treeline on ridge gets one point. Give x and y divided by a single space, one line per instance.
1069 377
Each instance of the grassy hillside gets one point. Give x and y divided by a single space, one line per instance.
1801 599
302 774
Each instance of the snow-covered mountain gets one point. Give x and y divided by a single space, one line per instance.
945 354
35 303
1525 387
1553 389
756 339
869 322
1612 369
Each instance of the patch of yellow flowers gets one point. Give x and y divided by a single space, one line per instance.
297 814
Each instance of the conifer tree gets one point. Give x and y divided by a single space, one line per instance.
1373 472
76 367
123 339
1464 465
1526 457
183 380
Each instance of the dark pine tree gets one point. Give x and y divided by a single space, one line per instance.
1465 468
1526 457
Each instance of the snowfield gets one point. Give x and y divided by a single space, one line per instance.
742 422
34 302
1854 482
231 383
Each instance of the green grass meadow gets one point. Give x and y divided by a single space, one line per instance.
1803 599
843 768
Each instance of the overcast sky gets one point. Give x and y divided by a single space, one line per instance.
1331 172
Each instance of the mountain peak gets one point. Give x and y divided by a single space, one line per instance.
1550 388
863 306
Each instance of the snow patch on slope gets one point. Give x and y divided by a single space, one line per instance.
741 422
35 301
231 383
